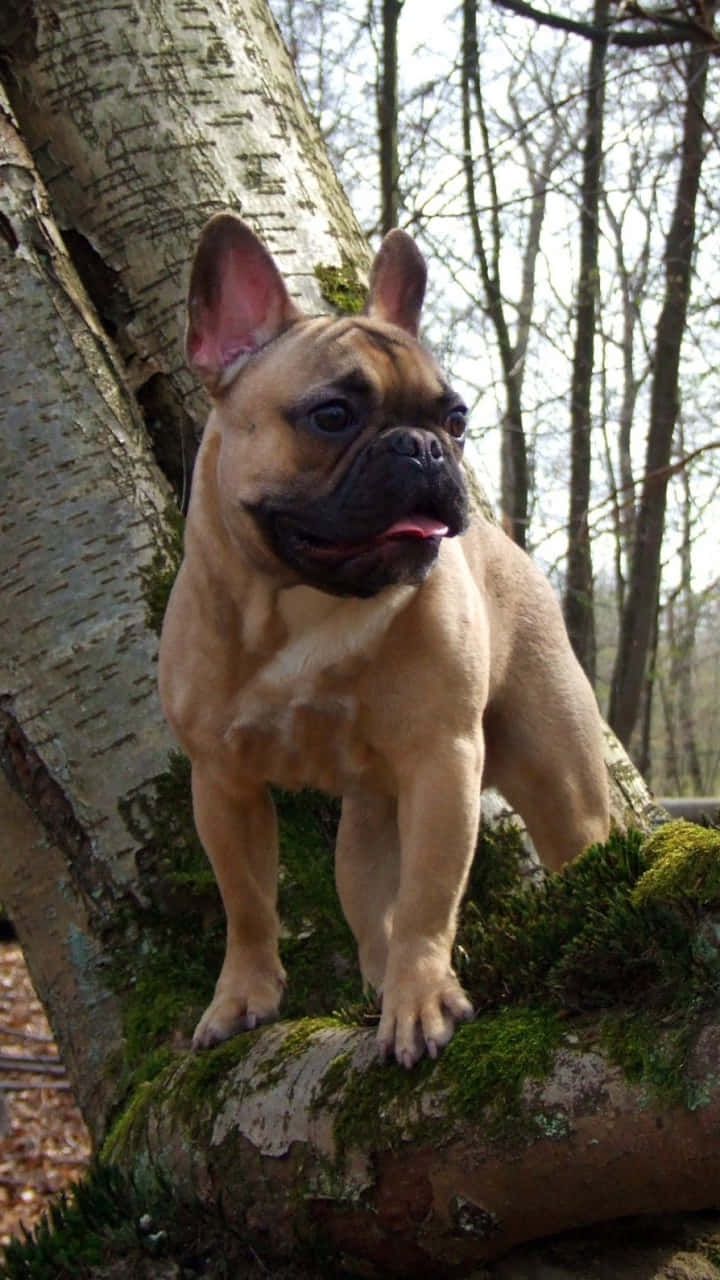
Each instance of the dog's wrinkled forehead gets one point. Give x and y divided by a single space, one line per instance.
360 356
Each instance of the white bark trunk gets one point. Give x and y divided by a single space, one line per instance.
81 729
143 121
82 509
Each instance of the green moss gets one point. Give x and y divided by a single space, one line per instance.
176 874
301 1034
203 1073
173 982
332 1081
317 947
631 929
342 287
128 1127
516 953
487 1062
685 864
382 1099
186 1086
482 1071
158 577
168 952
629 923
650 1054
496 868
631 926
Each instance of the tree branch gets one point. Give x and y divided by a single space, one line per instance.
674 32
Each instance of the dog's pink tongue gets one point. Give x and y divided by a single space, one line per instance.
416 527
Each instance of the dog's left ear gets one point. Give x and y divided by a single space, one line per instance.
397 282
237 300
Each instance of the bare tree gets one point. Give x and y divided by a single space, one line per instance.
640 602
579 605
387 108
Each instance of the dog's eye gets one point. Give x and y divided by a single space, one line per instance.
456 421
332 417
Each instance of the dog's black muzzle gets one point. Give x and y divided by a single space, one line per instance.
384 521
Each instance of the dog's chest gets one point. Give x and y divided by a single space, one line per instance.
302 719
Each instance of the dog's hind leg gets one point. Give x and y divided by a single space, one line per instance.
367 873
548 762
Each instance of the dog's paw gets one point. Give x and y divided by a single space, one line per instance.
419 1016
232 1010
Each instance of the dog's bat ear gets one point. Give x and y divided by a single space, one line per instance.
397 282
237 300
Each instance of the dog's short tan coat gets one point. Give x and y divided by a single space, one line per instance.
404 702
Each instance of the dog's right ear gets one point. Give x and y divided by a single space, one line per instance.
237 300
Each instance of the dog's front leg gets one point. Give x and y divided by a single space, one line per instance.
438 817
238 828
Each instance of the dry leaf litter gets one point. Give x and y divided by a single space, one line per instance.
44 1144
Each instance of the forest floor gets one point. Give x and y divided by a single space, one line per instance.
44 1144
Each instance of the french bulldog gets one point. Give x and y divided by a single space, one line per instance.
343 619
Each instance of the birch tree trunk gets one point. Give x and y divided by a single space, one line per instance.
145 121
81 731
139 143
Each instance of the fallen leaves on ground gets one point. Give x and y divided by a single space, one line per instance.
45 1145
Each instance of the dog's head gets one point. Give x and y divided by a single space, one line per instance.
340 441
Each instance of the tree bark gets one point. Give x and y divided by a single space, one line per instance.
304 1136
81 729
144 125
644 578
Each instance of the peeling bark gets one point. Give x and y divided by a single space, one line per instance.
422 1191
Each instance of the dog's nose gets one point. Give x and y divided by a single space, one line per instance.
425 447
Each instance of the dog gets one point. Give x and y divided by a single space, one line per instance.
343 620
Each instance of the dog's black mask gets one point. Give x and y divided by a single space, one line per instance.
383 523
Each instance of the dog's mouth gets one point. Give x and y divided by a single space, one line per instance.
413 528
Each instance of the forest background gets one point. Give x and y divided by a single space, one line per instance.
560 171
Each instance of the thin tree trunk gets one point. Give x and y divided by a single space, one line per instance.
643 585
579 589
669 697
686 651
513 452
387 106
645 751
632 282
